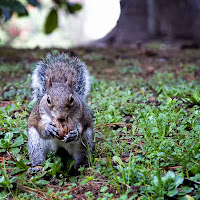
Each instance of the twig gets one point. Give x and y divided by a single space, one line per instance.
30 190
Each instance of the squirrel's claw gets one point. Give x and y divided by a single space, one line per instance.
35 169
71 136
50 128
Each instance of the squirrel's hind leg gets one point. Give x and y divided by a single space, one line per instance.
38 147
80 160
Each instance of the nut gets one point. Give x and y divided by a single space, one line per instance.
63 127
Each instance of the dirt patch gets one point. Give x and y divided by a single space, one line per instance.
5 103
107 62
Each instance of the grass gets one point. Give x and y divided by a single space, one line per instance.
147 136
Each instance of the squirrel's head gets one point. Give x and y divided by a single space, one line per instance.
61 100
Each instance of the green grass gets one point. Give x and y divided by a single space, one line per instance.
162 135
147 136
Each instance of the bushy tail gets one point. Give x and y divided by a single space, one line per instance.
61 64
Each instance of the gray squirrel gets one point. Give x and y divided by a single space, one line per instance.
60 86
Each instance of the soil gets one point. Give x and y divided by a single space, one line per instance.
115 63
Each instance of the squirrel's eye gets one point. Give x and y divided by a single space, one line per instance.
48 100
71 100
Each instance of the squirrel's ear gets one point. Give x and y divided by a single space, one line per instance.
69 82
49 82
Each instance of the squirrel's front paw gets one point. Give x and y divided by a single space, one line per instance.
71 136
51 129
35 169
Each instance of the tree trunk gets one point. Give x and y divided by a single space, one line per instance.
150 19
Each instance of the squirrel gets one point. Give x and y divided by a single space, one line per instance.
60 87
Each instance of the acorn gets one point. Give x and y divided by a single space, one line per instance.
63 127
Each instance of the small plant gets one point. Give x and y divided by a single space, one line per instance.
5 182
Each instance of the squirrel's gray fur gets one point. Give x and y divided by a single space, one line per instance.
60 86
81 81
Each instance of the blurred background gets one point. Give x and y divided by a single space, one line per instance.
86 21
69 23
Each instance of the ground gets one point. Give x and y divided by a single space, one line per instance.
147 129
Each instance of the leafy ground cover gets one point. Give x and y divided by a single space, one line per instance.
146 105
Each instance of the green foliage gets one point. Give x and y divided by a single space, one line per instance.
53 165
74 7
168 135
5 181
9 7
51 21
147 136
